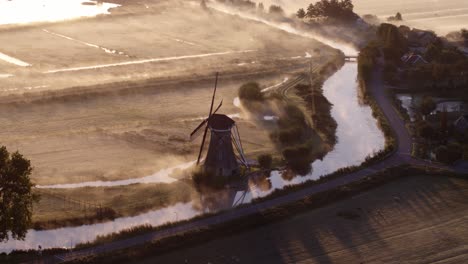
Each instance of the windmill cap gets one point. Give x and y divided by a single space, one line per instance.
220 122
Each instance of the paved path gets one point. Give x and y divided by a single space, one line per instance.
401 156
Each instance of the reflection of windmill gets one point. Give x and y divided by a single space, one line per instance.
221 160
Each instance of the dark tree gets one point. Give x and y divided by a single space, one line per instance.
449 154
339 10
203 5
265 161
301 13
276 10
427 106
16 197
398 16
425 130
261 7
250 91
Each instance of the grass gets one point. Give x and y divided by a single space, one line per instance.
65 207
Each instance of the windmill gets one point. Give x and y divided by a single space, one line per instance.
225 153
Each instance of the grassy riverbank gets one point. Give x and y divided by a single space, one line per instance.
302 128
82 206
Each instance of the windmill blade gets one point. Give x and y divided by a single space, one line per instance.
209 115
217 108
197 131
202 145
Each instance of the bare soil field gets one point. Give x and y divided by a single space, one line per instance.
420 219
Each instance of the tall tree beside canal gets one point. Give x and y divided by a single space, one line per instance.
16 197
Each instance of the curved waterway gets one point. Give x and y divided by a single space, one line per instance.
358 134
358 137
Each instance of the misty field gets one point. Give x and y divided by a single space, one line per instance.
78 135
182 40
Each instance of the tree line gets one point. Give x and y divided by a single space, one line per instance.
341 10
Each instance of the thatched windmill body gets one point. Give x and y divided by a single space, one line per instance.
225 154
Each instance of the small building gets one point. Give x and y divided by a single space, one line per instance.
461 124
412 59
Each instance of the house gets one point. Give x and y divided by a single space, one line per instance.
461 124
412 59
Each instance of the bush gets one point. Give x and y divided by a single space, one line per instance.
265 161
427 105
425 130
449 154
276 10
251 91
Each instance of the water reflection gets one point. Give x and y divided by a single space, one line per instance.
357 132
71 236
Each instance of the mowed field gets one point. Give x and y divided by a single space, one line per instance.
121 136
131 115
169 39
421 219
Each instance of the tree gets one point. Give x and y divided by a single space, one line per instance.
265 161
427 105
336 9
449 154
276 10
203 5
16 197
398 16
425 130
250 91
261 8
301 13
464 34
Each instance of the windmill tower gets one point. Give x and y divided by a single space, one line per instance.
225 153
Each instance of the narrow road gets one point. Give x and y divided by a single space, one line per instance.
401 156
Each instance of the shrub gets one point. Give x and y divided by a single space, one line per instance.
427 105
449 154
251 91
265 161
425 130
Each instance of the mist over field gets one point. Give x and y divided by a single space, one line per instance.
440 16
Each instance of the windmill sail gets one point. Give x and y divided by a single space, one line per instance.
209 115
197 131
